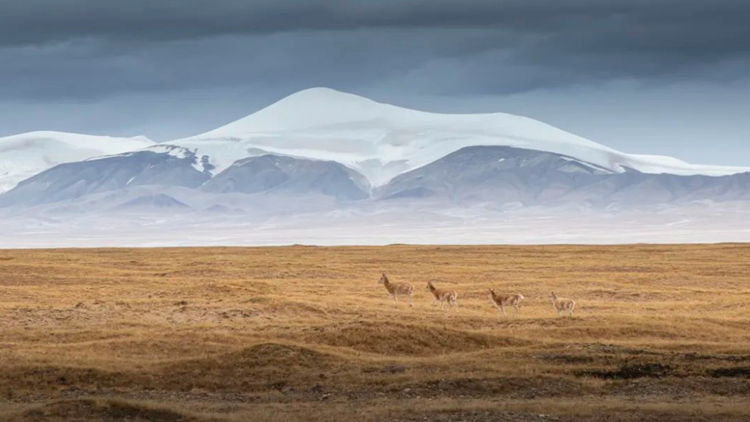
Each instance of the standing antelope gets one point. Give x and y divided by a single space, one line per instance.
443 296
561 304
501 301
395 289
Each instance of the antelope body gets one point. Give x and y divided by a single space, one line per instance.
562 304
501 301
443 296
395 289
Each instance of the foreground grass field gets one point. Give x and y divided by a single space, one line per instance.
660 333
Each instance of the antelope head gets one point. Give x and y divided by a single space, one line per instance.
383 279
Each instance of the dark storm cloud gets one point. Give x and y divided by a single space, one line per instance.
625 24
295 61
93 48
40 21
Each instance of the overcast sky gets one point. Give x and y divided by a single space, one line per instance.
645 76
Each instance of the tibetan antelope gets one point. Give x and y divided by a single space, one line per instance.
443 296
561 304
395 289
501 301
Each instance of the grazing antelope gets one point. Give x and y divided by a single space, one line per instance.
501 301
561 304
395 289
443 296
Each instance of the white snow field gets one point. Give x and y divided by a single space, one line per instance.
382 141
25 155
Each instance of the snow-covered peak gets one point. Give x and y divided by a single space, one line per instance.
325 109
311 108
382 141
24 155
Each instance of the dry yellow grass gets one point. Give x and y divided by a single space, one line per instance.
307 333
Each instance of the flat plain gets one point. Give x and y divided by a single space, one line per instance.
301 333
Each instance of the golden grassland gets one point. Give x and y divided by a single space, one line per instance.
306 333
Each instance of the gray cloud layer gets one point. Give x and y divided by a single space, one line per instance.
99 48
35 21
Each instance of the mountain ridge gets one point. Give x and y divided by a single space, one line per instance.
379 141
382 141
491 177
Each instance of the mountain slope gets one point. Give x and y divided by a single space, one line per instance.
164 167
25 155
497 176
382 141
160 165
155 201
274 174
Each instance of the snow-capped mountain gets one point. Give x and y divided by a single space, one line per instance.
382 141
379 141
339 152
325 167
23 156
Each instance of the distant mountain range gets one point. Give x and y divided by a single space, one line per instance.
326 152
23 156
